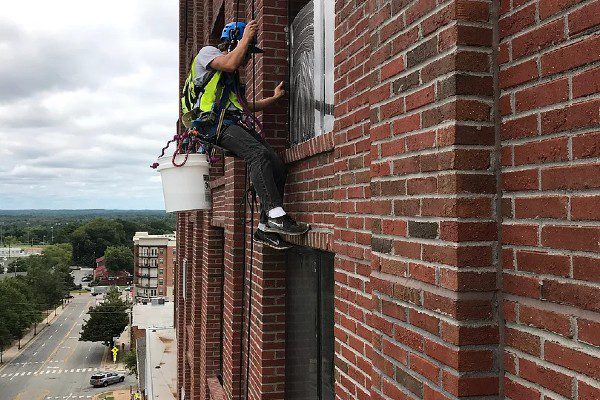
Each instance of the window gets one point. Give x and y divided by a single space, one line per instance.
160 271
184 280
161 282
311 68
309 343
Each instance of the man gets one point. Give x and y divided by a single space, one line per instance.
213 101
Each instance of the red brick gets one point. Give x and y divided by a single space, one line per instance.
467 386
423 273
588 331
426 322
543 263
571 56
423 367
587 82
550 150
521 285
572 359
517 21
516 391
547 320
572 237
585 208
420 98
520 234
587 392
549 8
468 335
392 68
586 145
584 18
518 74
580 115
586 268
574 177
520 180
432 394
407 124
555 381
542 95
523 341
573 294
519 128
541 207
538 39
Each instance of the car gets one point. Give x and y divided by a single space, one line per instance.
86 279
69 296
106 378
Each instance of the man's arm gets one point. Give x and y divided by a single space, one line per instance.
260 105
231 61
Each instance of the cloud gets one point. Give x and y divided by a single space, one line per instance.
87 99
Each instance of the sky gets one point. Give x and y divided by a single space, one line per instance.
88 96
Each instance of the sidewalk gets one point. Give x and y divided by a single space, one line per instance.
107 363
13 351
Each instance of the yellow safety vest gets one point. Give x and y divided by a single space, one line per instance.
210 92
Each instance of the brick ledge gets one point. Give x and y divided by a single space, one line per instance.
218 182
320 238
309 148
218 222
215 390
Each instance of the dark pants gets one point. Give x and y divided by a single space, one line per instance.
267 171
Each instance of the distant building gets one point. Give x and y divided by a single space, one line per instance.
153 264
101 262
105 277
8 254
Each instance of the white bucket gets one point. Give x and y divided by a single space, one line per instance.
185 188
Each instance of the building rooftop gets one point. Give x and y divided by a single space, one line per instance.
145 239
161 364
147 316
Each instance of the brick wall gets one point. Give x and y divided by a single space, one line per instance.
457 190
549 56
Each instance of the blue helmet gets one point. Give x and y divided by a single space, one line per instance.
234 31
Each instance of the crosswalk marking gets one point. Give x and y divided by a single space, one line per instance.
48 371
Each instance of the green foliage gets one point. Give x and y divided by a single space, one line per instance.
17 309
91 240
18 265
36 226
130 361
59 255
107 320
119 258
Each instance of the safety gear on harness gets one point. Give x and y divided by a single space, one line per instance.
201 101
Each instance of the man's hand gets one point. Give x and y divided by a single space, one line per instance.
279 91
250 31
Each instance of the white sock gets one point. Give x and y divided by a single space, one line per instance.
262 227
276 212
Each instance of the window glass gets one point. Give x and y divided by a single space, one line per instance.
311 69
309 325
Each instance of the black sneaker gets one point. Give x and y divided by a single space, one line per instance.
272 240
286 225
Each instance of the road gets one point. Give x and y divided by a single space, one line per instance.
55 364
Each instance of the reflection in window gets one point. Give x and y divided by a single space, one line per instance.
311 69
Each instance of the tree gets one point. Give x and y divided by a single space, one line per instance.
58 255
49 282
91 240
130 361
17 309
119 258
107 320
